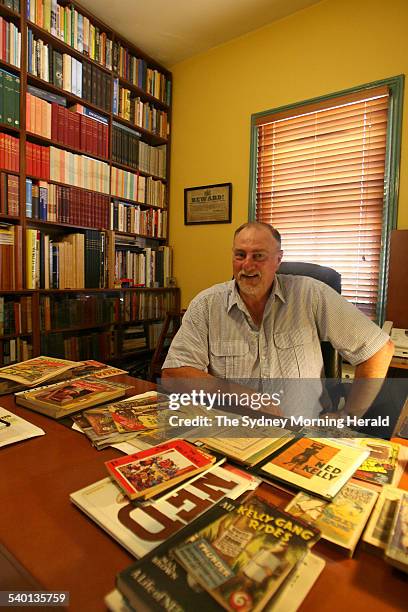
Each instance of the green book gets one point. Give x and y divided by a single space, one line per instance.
8 97
16 105
1 97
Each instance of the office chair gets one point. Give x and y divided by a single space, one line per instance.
171 324
331 357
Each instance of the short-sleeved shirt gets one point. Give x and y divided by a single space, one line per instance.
218 335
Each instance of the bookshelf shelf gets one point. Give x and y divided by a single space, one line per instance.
70 97
154 138
77 247
57 43
47 141
142 93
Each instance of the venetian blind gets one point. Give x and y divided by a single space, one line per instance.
320 182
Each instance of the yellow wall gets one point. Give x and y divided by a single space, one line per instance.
334 45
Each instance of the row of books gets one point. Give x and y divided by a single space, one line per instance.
14 5
142 267
14 350
37 160
133 338
9 153
10 250
9 99
9 194
80 346
152 160
78 170
63 204
136 71
73 261
71 26
10 43
58 312
132 219
138 188
140 306
125 145
142 114
15 315
69 127
80 78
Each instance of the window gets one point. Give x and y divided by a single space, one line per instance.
324 173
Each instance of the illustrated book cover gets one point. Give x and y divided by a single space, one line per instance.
36 371
377 532
341 520
315 465
145 473
243 558
143 527
14 429
380 467
62 399
396 551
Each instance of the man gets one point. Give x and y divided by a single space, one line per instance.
263 325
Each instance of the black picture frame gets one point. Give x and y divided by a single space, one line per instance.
208 204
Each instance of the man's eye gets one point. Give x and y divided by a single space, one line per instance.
259 256
239 255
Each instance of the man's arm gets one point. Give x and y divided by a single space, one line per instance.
368 380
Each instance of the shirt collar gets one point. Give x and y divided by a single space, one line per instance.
234 299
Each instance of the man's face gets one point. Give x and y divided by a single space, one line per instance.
256 256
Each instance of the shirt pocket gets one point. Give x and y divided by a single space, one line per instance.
229 359
295 352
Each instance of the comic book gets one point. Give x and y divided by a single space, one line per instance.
36 371
341 520
243 558
315 465
142 527
62 399
380 467
396 552
149 472
377 532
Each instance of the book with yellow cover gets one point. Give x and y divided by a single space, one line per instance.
315 465
341 520
36 371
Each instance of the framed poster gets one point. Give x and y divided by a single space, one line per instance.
208 204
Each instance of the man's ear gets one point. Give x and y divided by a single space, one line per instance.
280 255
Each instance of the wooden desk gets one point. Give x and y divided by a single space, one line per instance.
64 550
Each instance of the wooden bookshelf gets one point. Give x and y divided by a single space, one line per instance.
101 53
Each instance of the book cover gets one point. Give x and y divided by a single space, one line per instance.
243 558
153 470
396 551
142 528
341 520
250 450
70 396
377 532
381 466
35 371
315 465
14 429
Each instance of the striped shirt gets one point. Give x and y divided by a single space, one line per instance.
218 335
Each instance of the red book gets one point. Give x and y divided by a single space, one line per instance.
15 161
152 471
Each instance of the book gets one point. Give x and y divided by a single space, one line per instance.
396 551
341 520
377 532
380 467
14 428
158 582
250 451
35 371
64 398
141 528
243 558
149 472
315 465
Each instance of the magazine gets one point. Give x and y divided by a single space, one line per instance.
14 429
36 371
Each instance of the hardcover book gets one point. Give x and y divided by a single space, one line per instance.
143 527
35 371
378 528
156 469
250 451
243 558
396 551
315 465
62 399
342 520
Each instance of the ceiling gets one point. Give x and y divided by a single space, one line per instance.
172 31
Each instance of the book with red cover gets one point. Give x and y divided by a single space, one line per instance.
158 468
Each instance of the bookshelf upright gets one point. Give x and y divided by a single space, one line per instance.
86 271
